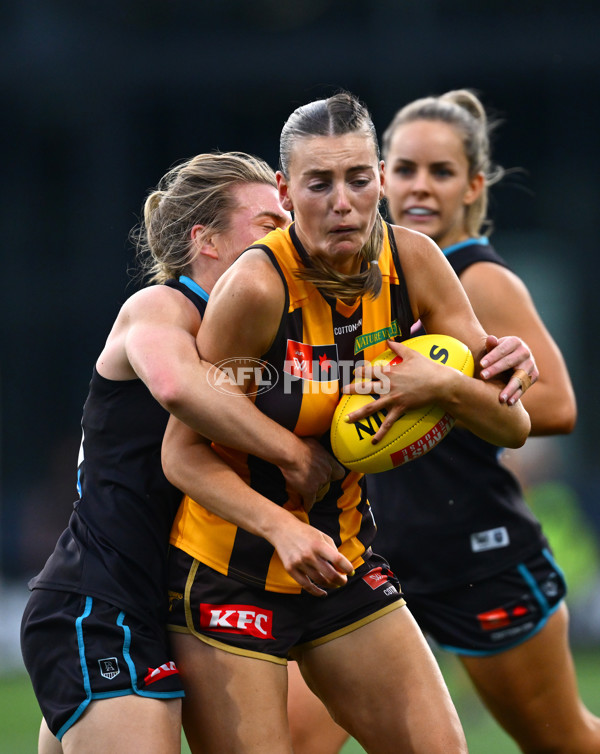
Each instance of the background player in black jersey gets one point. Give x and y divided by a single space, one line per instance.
93 634
359 647
475 567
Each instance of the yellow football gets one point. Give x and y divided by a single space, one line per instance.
414 433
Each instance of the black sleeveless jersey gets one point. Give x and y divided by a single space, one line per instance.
115 546
457 514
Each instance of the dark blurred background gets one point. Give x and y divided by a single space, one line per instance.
99 99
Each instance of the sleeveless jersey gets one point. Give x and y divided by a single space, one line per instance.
115 546
318 343
457 514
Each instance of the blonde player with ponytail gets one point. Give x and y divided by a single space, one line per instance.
93 633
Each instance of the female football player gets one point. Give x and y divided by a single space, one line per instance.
305 300
476 569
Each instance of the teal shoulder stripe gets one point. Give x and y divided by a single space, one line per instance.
193 286
482 241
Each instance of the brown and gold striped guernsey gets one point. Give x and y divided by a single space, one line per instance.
318 343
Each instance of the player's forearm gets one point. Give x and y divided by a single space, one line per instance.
201 474
475 405
222 413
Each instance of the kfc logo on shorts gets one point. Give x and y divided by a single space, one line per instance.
237 619
375 578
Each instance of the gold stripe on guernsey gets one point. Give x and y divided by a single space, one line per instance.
277 573
350 519
206 537
374 331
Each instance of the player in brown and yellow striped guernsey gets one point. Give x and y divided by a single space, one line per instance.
307 305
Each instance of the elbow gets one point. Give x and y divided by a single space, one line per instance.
513 437
172 469
565 417
169 468
569 425
169 392
171 455
561 420
520 432
556 425
515 441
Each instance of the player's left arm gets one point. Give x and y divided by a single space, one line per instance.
440 302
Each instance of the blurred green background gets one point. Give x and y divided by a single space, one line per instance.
19 713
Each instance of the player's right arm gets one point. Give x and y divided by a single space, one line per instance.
154 338
307 554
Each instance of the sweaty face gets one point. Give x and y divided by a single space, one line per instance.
257 213
427 183
334 187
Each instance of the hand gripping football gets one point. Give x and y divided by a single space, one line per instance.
413 434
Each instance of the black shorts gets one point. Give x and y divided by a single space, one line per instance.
495 614
78 649
248 620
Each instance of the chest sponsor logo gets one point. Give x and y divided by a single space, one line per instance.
310 362
345 329
377 336
491 539
375 578
247 620
162 671
109 667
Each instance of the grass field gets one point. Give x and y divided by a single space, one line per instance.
19 713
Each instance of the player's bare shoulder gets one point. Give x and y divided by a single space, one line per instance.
159 305
253 270
415 248
147 314
251 283
426 270
250 297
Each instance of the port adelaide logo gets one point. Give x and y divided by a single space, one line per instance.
109 667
